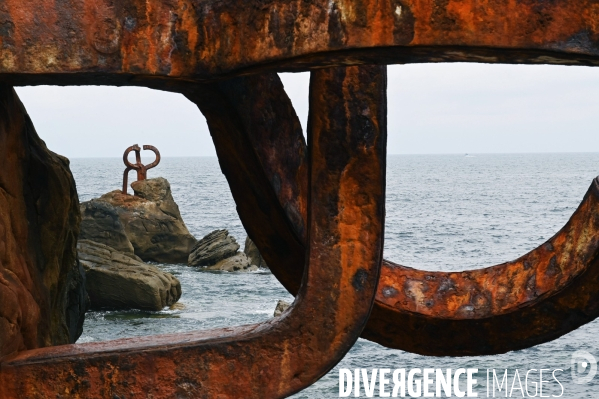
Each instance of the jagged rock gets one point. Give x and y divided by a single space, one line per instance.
251 251
152 221
100 222
117 281
42 289
281 307
213 248
236 263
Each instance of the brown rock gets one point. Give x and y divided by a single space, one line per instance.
281 307
42 289
152 221
117 281
236 263
213 248
253 254
100 222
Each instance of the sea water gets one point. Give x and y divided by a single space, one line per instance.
444 212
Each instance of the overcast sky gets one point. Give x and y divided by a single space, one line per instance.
433 108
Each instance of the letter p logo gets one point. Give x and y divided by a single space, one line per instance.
583 366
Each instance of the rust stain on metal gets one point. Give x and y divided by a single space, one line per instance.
315 212
443 314
269 360
136 42
141 169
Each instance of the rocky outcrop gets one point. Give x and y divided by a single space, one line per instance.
152 221
236 263
251 251
118 281
42 289
213 248
100 222
219 251
281 307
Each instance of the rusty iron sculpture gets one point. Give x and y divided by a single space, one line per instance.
278 357
141 169
315 211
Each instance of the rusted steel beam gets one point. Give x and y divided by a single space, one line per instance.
550 291
478 312
262 153
173 45
272 359
142 170
139 41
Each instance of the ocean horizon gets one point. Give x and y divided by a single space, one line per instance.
444 212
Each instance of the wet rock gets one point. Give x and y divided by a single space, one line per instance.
42 289
251 251
152 221
100 222
281 307
213 248
236 263
117 281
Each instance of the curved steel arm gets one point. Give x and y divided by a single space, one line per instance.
128 164
122 43
156 161
272 359
478 312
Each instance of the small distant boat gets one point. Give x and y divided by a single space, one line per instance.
468 156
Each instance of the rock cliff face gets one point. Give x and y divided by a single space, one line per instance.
42 294
151 221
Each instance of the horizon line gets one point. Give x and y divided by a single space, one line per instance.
389 154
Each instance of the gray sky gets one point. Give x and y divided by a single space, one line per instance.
433 108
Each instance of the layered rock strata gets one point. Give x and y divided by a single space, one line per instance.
150 220
115 280
213 248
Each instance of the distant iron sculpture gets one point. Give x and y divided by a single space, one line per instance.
142 170
316 212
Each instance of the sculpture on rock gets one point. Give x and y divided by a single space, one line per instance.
316 211
141 169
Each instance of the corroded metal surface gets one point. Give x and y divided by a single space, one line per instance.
262 153
140 41
141 169
283 355
540 296
193 47
423 312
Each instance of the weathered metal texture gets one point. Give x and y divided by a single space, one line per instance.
175 45
279 357
142 170
139 41
478 312
262 153
540 296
